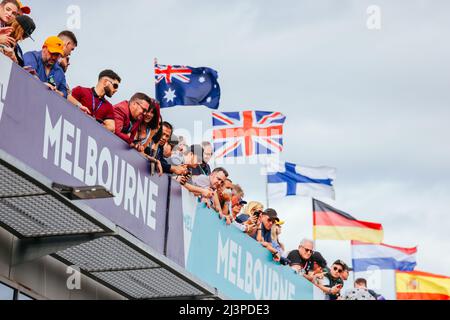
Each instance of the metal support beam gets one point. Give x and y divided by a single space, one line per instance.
29 249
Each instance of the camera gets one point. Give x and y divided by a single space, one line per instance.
285 261
257 214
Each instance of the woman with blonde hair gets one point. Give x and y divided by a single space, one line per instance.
249 218
253 207
276 231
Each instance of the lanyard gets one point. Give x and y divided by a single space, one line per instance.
95 109
203 171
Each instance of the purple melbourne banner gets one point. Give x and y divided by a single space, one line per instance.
45 132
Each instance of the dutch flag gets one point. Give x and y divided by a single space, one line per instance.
367 256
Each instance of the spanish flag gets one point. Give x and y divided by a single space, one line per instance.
419 285
333 224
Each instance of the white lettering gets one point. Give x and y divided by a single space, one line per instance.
248 272
133 190
283 290
374 19
142 197
258 283
232 262
222 256
74 280
151 214
275 286
118 183
259 279
77 171
52 135
68 131
267 283
291 291
130 188
91 163
105 159
240 280
74 20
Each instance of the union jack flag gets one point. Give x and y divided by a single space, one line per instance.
186 86
247 133
169 72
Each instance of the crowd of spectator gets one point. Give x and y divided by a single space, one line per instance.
138 122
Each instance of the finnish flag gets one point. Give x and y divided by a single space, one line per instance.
288 179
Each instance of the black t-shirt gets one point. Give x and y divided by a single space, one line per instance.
203 169
307 265
330 282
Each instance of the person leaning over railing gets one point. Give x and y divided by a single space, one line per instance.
21 28
249 211
306 261
276 243
155 151
237 190
92 101
222 198
44 65
190 159
150 125
331 282
264 232
205 186
70 44
128 116
171 153
204 168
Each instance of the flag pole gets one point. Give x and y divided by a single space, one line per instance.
314 235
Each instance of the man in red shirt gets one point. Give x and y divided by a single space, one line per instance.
128 117
92 100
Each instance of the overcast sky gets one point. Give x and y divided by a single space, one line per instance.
372 103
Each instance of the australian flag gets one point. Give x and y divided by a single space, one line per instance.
187 86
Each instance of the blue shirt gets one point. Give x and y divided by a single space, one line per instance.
34 60
266 234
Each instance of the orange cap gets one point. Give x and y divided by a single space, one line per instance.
54 45
24 9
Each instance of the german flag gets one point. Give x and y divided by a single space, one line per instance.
333 224
419 285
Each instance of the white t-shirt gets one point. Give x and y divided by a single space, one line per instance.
201 181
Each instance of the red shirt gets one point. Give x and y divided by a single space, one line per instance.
100 108
126 128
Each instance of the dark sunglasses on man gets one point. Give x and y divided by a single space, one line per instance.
115 85
338 270
308 250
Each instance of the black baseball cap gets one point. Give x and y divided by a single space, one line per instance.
342 264
272 214
27 25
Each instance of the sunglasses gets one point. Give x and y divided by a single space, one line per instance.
308 250
115 85
145 111
339 270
